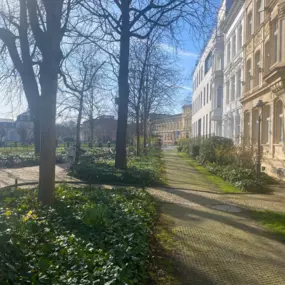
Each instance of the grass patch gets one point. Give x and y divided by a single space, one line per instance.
273 221
162 269
212 178
88 236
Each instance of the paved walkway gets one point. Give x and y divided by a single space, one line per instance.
30 174
216 241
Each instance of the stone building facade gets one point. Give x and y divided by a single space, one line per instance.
104 129
173 127
208 85
233 27
264 73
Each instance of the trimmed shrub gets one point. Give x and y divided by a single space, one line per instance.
216 148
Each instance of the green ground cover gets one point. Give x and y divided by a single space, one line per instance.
88 236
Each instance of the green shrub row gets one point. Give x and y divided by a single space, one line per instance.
88 236
143 170
14 160
234 164
242 178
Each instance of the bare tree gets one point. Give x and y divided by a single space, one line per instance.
32 32
154 81
80 74
121 20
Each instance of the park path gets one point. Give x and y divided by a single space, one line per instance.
216 242
30 175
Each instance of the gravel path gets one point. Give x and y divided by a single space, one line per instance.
216 241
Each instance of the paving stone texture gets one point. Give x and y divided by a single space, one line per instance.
216 241
30 174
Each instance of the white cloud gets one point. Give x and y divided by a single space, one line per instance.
180 52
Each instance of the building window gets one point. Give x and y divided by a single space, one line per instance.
204 96
207 92
249 25
227 92
266 57
247 128
219 96
239 39
279 125
248 75
266 125
234 39
228 53
208 62
233 85
255 115
257 76
238 84
207 125
282 40
259 13
219 62
275 41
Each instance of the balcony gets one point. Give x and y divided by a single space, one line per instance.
217 114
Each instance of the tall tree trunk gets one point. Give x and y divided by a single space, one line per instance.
91 132
37 134
121 154
48 141
138 131
78 125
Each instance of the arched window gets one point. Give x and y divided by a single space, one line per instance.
247 128
257 68
266 125
279 125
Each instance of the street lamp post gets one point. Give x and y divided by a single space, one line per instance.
259 105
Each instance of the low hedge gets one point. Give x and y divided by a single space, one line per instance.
144 170
88 236
242 178
14 160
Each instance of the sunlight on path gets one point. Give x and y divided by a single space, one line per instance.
216 241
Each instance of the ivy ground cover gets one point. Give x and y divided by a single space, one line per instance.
88 236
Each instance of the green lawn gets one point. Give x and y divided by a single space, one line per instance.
212 178
273 221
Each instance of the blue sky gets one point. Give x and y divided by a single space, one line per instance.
186 58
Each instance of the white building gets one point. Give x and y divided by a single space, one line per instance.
233 28
207 85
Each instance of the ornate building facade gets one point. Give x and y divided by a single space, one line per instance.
233 27
174 127
264 79
208 84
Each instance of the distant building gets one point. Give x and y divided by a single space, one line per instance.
8 130
25 127
21 130
171 128
104 129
